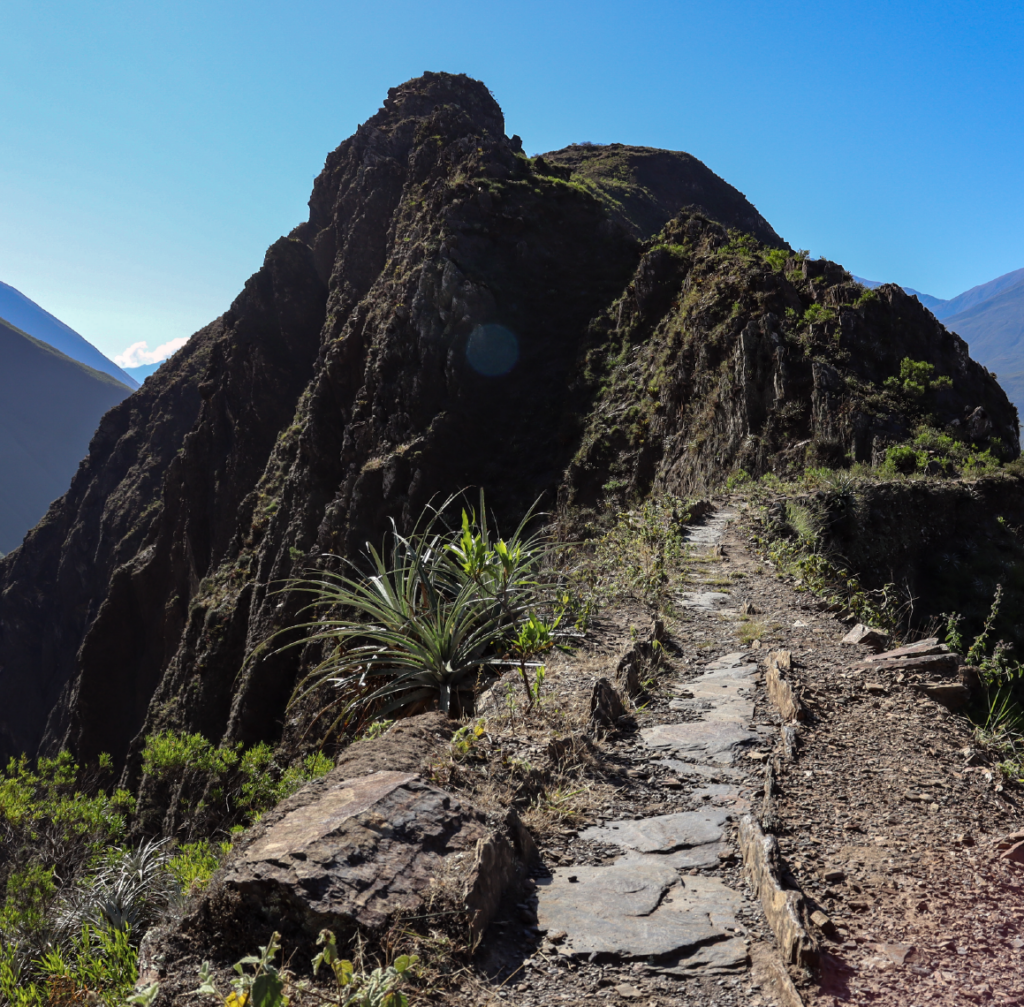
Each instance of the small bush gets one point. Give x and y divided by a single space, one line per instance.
916 379
816 314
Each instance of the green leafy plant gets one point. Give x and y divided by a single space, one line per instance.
817 314
263 986
236 784
531 639
193 864
378 988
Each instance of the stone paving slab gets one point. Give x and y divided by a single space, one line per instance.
705 855
701 771
717 958
662 833
635 909
707 600
715 741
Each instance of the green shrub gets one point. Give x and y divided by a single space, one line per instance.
193 864
817 314
915 379
239 785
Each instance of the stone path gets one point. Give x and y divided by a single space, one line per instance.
651 904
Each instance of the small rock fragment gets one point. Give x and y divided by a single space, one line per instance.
822 921
866 636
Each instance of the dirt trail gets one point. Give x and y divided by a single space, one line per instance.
883 820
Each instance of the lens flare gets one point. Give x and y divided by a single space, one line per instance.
492 350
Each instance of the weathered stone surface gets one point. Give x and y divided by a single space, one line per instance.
662 833
736 659
714 741
865 636
923 648
953 695
781 692
940 664
360 850
705 855
635 909
708 600
703 772
782 907
725 795
605 705
717 958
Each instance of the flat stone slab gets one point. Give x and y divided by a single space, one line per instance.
706 855
737 710
726 795
635 909
718 958
707 600
662 833
701 771
732 660
711 741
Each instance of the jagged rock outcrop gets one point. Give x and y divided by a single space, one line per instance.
723 354
450 315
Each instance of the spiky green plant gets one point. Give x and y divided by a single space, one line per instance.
426 621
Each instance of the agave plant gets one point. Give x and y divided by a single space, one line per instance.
425 622
126 893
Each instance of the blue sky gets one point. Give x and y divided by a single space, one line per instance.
152 151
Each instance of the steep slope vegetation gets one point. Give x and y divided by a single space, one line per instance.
49 407
451 315
24 314
724 355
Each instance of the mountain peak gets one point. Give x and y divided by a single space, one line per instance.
424 95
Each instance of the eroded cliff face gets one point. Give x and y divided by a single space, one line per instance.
452 314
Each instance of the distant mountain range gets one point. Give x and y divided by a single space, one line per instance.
50 406
24 314
991 318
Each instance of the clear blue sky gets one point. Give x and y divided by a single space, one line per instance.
151 151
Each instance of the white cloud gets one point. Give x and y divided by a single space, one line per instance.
139 353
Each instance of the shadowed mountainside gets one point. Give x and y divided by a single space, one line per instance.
451 315
49 407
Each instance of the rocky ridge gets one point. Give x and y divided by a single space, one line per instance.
416 335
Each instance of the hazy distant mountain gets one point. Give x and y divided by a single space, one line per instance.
50 406
994 329
974 297
26 315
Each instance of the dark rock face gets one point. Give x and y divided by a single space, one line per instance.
444 319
